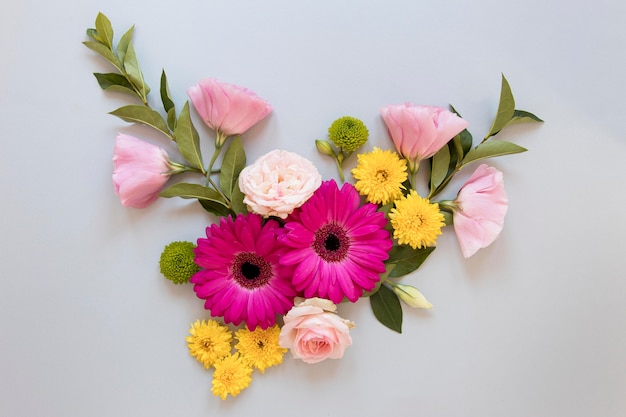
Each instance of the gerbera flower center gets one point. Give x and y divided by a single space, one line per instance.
331 243
251 270
381 175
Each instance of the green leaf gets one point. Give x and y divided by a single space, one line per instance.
197 191
232 164
387 309
236 200
215 208
104 52
188 140
465 137
506 109
490 149
143 115
105 30
165 94
131 66
407 259
171 118
93 34
122 46
466 141
115 82
440 163
521 116
111 79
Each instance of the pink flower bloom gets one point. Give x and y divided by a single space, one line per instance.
418 132
241 279
314 332
482 204
227 108
278 182
140 170
338 247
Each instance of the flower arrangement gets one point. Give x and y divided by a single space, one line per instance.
286 246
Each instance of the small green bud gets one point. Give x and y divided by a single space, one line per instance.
324 147
411 296
348 133
177 262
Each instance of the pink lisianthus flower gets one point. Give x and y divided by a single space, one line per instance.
226 108
480 209
418 132
314 332
140 170
278 182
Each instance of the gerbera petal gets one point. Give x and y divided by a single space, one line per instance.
305 270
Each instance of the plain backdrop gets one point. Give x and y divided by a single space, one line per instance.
534 325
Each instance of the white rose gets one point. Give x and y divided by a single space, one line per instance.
278 182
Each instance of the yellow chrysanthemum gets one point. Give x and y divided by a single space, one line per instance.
209 341
380 175
260 347
416 221
231 376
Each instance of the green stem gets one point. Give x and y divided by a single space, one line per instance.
340 169
177 168
413 166
218 149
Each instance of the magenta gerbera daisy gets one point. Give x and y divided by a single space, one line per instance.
338 246
241 279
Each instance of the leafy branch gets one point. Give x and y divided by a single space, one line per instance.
458 153
223 199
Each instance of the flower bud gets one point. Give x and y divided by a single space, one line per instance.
324 147
411 296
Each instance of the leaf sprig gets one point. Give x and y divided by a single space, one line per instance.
220 199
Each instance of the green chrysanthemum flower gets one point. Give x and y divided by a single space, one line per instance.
348 133
177 262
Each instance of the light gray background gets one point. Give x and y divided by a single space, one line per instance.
535 325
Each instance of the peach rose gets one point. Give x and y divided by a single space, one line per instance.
314 332
278 182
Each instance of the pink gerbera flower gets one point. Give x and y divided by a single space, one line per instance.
241 279
338 247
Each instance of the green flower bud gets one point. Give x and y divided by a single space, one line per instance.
348 133
177 262
411 296
324 147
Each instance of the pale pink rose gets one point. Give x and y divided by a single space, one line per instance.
418 132
482 204
278 182
314 332
140 170
227 108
